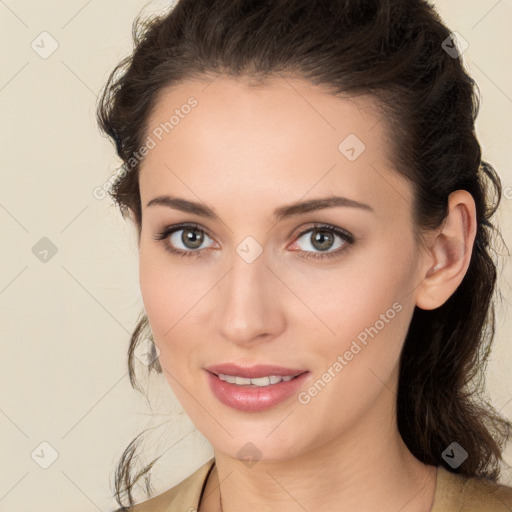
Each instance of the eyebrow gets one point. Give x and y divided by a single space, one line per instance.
289 210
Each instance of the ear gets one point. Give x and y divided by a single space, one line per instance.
449 254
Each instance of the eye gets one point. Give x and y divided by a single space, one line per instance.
187 240
184 239
322 238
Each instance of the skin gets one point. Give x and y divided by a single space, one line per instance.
245 151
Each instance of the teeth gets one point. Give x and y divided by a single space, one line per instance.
261 381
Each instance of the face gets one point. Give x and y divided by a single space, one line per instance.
326 290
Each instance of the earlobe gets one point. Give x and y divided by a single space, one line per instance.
450 252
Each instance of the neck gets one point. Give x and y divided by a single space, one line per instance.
366 468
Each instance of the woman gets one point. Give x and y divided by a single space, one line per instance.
314 229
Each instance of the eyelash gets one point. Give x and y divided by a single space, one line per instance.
344 235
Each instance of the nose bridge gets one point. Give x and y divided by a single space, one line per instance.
248 305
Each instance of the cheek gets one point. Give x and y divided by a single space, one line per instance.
365 308
163 309
165 287
173 298
160 294
155 294
368 318
346 301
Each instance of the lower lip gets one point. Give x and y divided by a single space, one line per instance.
254 398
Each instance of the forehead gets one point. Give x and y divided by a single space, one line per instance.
284 135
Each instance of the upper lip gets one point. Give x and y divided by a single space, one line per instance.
253 372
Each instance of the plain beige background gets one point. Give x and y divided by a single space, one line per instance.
65 322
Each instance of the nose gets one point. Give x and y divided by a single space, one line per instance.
249 310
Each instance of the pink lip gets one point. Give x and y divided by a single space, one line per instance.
253 372
251 398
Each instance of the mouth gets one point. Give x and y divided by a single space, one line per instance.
256 388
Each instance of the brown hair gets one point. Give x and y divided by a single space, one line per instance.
395 51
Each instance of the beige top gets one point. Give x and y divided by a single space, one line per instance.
454 493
